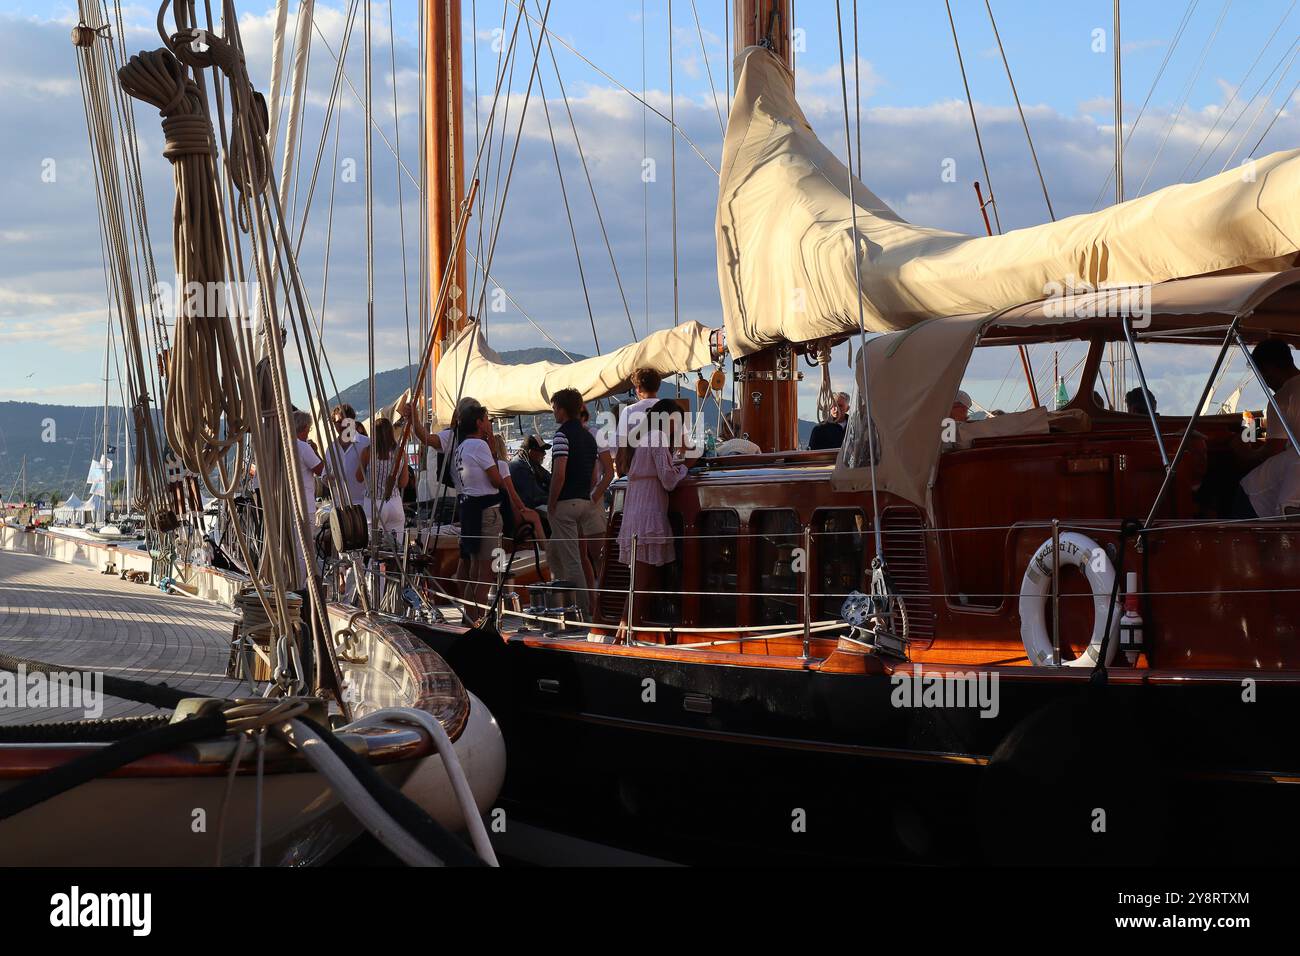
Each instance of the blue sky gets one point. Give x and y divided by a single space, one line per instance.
910 44
51 286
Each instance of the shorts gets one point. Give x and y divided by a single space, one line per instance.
480 526
572 519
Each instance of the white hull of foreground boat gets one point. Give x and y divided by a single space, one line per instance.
175 821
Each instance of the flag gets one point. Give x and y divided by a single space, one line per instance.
1062 395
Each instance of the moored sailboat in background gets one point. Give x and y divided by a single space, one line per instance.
329 722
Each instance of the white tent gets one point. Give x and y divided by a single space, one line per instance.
74 510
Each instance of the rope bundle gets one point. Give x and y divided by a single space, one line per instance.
825 394
205 414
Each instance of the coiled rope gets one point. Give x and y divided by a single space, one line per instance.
205 407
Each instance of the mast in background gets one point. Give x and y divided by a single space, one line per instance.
1117 356
444 158
1119 110
767 382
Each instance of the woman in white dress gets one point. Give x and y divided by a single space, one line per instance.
655 471
380 461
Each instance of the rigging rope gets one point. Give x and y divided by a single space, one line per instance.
1247 108
1182 103
1237 89
1178 35
970 103
1020 109
677 130
1260 112
857 264
591 184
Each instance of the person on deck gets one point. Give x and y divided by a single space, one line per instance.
380 462
961 406
830 434
512 504
605 452
573 463
347 449
593 546
478 478
441 447
1274 485
631 417
531 480
310 464
1138 400
654 472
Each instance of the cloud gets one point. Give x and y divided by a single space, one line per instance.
50 394
51 280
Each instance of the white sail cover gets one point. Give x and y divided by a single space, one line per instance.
471 368
786 240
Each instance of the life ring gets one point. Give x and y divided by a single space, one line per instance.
1086 555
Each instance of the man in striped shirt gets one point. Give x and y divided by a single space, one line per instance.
574 459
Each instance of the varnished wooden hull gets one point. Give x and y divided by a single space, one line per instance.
763 764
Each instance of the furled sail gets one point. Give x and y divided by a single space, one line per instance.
786 240
470 368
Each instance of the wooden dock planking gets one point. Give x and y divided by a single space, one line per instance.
73 616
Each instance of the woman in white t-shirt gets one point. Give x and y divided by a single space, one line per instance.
381 461
478 479
440 448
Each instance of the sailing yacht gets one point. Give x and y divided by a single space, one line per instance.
1040 636
959 639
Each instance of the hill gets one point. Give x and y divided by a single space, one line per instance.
58 442
389 385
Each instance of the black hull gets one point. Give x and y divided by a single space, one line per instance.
755 765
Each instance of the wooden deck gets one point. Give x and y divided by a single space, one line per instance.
73 616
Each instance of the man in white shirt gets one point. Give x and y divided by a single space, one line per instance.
1274 485
310 466
348 448
632 417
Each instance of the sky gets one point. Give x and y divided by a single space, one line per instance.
53 307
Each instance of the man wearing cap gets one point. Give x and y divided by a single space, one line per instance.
531 480
961 408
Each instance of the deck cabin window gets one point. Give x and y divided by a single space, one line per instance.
777 535
995 377
838 561
719 549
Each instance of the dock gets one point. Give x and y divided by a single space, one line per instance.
74 616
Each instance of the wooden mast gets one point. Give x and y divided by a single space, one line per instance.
767 382
444 172
765 23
